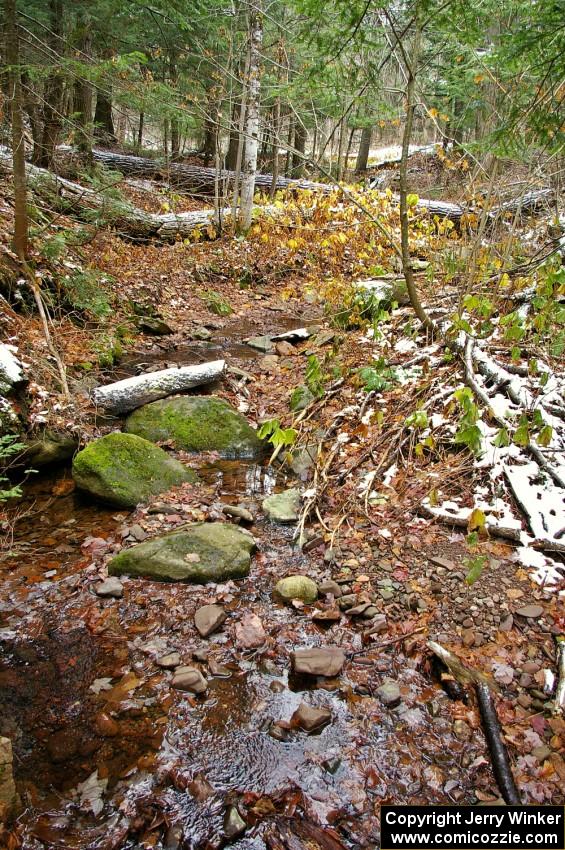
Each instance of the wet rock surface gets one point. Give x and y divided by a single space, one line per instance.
124 470
199 553
283 507
196 424
296 587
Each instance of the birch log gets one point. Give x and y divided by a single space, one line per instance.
126 395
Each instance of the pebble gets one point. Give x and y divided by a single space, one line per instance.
189 679
138 532
530 612
208 619
169 661
330 587
318 661
249 632
311 719
110 587
347 601
389 693
238 512
234 824
507 623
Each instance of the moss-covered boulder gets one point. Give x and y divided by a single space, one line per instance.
124 470
196 424
198 552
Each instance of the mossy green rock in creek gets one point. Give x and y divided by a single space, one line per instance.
124 470
196 424
296 587
283 507
200 552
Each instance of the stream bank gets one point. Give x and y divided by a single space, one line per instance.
110 755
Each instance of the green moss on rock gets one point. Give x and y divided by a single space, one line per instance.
199 553
196 424
124 470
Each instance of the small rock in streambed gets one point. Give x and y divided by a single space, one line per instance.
219 670
208 619
157 327
530 612
389 693
296 587
111 586
311 719
249 632
201 333
283 507
318 661
260 343
238 512
347 601
169 661
189 679
234 825
327 615
278 732
330 587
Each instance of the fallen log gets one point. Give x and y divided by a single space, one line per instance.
491 724
126 395
203 180
198 179
71 198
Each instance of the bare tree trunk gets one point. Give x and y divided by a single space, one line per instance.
300 137
231 155
103 120
139 143
83 98
364 148
53 93
30 104
252 119
411 70
18 146
348 152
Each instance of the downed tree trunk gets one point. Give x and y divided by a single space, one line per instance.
202 180
197 179
78 200
130 393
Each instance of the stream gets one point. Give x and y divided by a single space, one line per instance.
108 755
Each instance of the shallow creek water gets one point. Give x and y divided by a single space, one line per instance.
81 695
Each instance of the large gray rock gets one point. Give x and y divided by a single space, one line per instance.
283 507
196 424
201 552
50 447
124 470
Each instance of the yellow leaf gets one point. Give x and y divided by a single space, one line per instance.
476 520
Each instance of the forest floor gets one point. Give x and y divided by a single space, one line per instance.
107 754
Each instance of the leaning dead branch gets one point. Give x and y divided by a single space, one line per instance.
491 724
